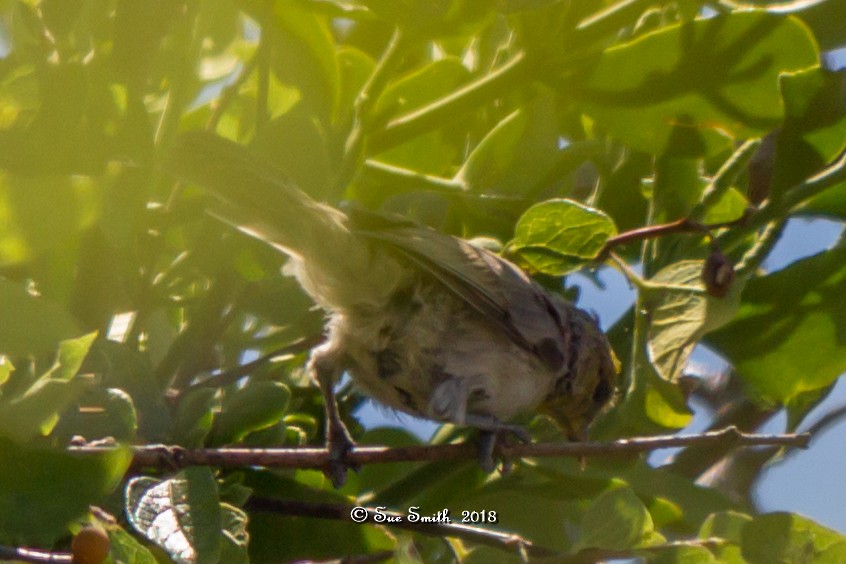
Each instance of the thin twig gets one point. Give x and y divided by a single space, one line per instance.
684 225
744 414
381 516
161 456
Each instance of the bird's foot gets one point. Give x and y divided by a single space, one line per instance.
493 434
339 443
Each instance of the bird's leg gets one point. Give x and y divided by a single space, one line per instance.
325 369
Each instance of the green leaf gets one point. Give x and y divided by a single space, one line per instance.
517 153
125 548
71 354
557 235
681 313
823 17
616 520
181 515
37 409
43 490
194 417
717 76
784 537
664 403
235 538
652 404
730 207
421 86
784 316
520 498
726 525
31 325
436 151
256 406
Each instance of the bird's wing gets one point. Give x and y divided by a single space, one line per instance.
495 287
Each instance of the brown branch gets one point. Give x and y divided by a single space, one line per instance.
684 225
381 516
160 456
694 461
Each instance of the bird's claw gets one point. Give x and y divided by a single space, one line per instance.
490 439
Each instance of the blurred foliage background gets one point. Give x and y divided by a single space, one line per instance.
549 126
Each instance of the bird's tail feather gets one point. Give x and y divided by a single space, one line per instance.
339 269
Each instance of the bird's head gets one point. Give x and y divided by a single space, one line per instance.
590 377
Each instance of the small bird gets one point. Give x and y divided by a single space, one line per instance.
423 322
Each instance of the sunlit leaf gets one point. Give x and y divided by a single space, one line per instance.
730 207
182 515
717 76
559 235
681 313
823 17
